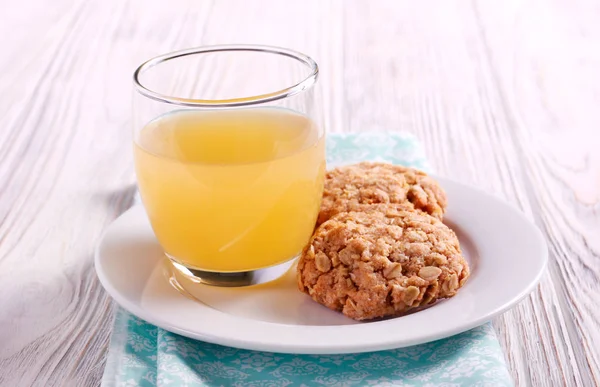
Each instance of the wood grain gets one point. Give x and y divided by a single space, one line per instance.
561 171
503 94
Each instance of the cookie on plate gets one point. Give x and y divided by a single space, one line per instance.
381 262
351 187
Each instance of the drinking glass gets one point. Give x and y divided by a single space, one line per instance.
229 152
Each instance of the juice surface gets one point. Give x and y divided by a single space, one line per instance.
232 190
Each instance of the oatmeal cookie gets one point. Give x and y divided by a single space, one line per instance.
381 262
349 188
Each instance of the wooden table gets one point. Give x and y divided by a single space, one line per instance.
504 95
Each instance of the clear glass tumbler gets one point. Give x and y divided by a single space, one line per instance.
229 152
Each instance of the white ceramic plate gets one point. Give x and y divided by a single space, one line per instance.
506 252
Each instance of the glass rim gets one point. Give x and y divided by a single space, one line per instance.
303 85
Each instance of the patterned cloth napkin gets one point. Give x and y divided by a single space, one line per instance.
142 354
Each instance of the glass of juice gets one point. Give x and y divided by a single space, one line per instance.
229 153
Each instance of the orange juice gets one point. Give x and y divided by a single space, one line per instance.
233 190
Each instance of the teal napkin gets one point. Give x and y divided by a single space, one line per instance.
142 354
